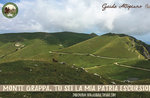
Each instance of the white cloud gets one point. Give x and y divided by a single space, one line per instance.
78 16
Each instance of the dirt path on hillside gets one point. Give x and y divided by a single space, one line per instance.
85 54
95 67
116 63
138 68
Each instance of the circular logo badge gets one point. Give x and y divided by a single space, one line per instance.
10 10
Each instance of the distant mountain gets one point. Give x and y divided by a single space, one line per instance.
112 45
65 38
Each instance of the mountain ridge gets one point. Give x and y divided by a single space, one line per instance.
129 44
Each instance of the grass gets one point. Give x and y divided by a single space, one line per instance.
108 46
118 49
33 64
120 73
30 50
105 67
36 44
138 63
84 61
7 49
65 38
40 72
89 46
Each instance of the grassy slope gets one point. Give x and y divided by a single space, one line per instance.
33 48
118 49
91 45
109 46
120 73
39 72
37 47
30 72
6 49
65 38
51 73
36 44
121 47
138 63
85 61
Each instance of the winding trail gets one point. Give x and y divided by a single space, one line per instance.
92 55
138 68
94 67
85 54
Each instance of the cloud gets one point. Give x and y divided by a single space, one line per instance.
78 16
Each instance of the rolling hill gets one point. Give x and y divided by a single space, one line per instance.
98 54
26 58
112 45
116 56
18 46
64 38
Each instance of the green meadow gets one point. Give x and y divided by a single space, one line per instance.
72 58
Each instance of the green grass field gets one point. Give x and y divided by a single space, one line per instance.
95 53
120 73
26 58
36 44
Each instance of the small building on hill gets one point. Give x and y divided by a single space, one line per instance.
18 44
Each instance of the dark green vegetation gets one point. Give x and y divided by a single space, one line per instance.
36 45
26 58
64 38
39 72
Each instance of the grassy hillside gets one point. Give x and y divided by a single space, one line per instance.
40 72
64 38
26 58
30 72
91 45
112 45
101 54
85 61
20 46
120 73
137 63
96 54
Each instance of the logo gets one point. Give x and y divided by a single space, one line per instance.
10 10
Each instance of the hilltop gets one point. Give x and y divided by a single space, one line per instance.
65 38
112 45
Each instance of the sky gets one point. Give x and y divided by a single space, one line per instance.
6 1
78 16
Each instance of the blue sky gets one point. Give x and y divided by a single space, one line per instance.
5 1
78 16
